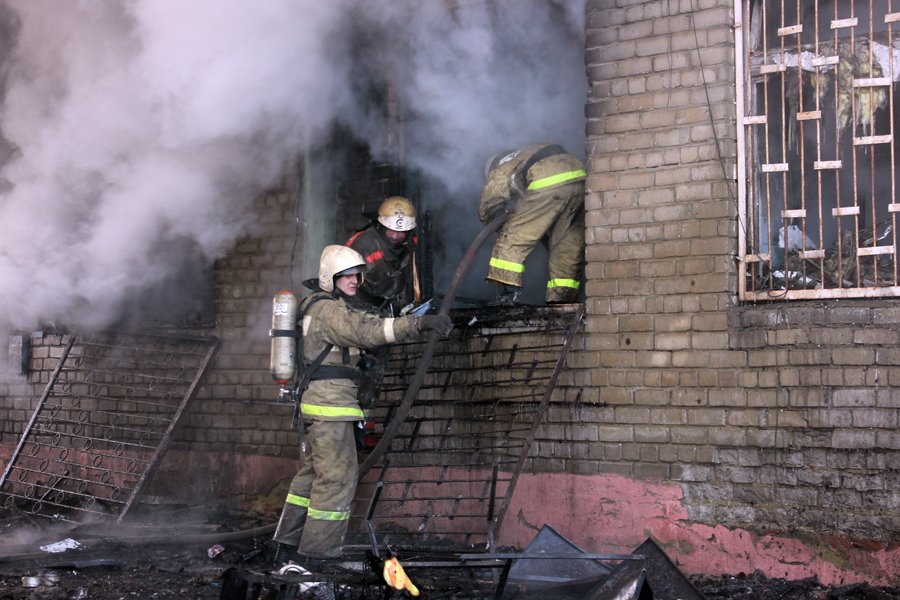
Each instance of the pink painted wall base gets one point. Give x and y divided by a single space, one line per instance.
610 513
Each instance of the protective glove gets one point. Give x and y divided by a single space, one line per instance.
438 323
496 210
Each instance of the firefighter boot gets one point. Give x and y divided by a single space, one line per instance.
508 295
284 553
313 564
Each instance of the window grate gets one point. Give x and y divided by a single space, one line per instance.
816 86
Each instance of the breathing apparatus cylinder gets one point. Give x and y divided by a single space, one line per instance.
283 356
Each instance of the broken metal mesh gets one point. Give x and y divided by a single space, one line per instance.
102 424
449 472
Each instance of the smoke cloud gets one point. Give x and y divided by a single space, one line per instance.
135 134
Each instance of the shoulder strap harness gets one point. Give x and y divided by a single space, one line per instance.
517 180
315 370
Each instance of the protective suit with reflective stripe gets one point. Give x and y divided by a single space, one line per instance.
347 329
542 187
316 512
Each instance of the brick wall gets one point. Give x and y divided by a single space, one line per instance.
235 413
772 418
234 442
738 435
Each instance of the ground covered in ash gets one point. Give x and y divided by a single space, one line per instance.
189 564
190 574
759 587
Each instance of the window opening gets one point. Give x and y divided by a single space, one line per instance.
817 161
365 183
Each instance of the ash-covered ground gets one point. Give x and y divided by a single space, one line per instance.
186 573
117 563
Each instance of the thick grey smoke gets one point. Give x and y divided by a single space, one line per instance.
141 130
486 77
481 78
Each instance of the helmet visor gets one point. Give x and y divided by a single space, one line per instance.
352 271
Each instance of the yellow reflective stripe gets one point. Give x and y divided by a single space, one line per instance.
315 410
328 515
507 265
556 179
297 500
569 283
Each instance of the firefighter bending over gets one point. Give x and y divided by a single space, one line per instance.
315 516
542 188
388 245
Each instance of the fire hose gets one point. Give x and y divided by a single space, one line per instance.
393 428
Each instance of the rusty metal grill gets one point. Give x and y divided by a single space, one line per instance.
450 473
102 424
817 137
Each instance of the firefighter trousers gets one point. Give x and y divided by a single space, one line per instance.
316 512
558 213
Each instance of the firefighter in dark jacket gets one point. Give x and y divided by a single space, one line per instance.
315 516
542 188
388 245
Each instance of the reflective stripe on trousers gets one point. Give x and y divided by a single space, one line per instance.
328 515
506 272
315 513
326 480
556 212
507 265
297 500
566 283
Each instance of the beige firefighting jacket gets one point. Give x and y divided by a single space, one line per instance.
501 186
333 321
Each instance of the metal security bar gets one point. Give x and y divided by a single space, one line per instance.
818 201
103 424
449 475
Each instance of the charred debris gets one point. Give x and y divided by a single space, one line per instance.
75 481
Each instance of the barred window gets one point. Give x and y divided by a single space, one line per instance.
816 82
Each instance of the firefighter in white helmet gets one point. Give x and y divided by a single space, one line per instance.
315 515
388 245
542 188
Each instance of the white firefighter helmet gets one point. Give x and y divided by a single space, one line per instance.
397 213
338 260
498 159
